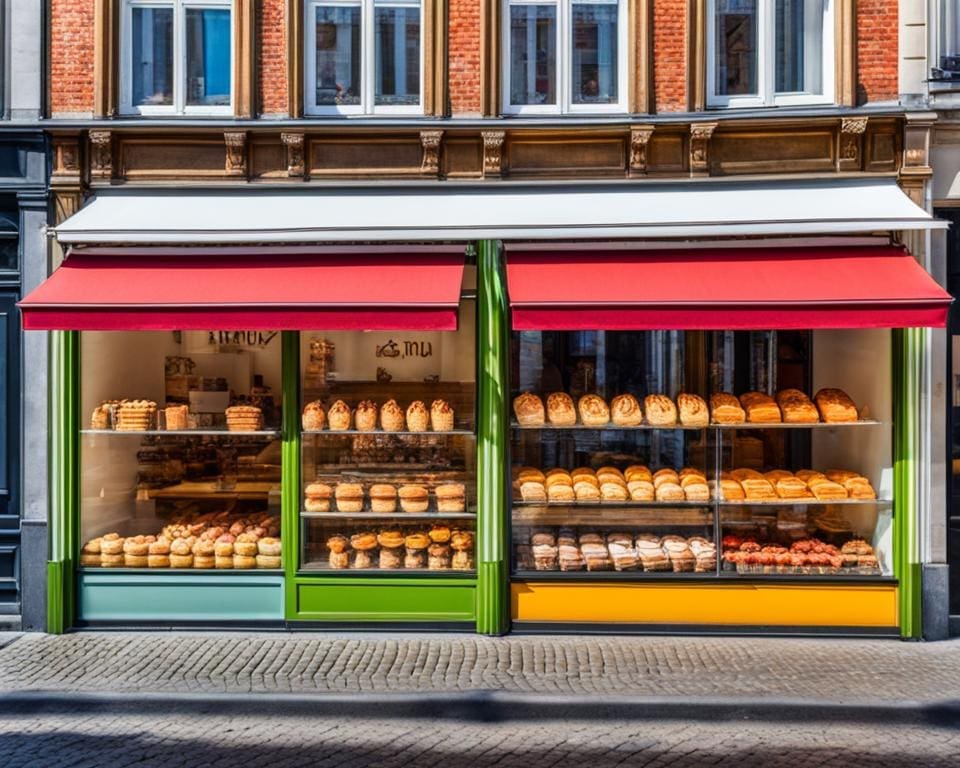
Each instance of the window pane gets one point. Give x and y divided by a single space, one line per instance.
594 53
151 56
8 253
949 33
799 41
208 56
338 55
736 47
533 54
398 55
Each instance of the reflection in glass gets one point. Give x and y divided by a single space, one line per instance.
151 57
208 56
594 53
533 54
799 43
736 47
398 54
338 55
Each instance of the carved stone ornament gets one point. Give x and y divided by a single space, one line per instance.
430 141
66 157
101 155
493 152
236 160
294 144
700 134
639 138
851 131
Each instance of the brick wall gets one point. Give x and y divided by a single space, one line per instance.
464 56
670 55
877 50
71 57
272 56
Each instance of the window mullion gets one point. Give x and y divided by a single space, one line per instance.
767 64
564 53
368 63
179 58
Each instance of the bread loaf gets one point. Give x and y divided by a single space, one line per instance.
693 410
661 410
760 408
528 408
835 405
726 409
796 407
560 410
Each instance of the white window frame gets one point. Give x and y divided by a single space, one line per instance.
368 68
766 96
179 106
564 64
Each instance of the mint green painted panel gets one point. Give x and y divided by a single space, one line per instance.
201 596
386 600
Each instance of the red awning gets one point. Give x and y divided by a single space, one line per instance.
269 289
723 288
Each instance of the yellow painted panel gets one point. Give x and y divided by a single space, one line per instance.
855 605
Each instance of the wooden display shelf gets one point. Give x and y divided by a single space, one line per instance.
185 432
672 427
213 490
393 517
666 516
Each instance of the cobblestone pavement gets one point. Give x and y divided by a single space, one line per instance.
838 670
503 730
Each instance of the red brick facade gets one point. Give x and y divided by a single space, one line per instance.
670 55
464 46
72 55
272 57
877 50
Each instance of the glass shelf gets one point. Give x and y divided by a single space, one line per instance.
316 567
672 427
613 504
384 433
185 432
650 517
393 517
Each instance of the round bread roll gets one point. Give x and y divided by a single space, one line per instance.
383 498
244 561
532 476
560 410
111 544
451 497
203 548
390 538
181 547
417 541
223 562
558 477
204 561
316 505
158 561
362 559
339 560
625 411
338 544
528 409
415 558
582 472
318 491
391 558
269 546
90 560
588 479
349 497
180 561
439 534
414 498
364 541
593 411
112 561
461 540
268 561
245 545
223 547
92 547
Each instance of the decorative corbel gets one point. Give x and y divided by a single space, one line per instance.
493 152
700 135
639 138
850 156
430 143
294 145
236 157
101 155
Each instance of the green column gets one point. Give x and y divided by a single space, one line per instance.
908 350
64 463
290 472
493 343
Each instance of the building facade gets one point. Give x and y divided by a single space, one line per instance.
489 127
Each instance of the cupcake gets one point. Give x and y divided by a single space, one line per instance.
339 416
451 497
441 416
366 416
414 498
418 417
349 497
391 417
318 497
383 498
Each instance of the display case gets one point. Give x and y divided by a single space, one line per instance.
388 447
629 464
180 452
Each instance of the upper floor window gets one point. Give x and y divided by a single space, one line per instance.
564 56
363 57
177 57
948 61
769 52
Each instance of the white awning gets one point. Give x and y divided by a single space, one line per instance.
505 210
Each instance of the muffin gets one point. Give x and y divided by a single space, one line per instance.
391 417
414 498
441 416
349 497
366 416
383 497
339 416
451 497
313 416
418 417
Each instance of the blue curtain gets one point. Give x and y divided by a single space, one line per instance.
216 51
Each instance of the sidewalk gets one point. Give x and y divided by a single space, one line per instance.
828 671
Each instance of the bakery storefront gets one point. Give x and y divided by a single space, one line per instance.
624 407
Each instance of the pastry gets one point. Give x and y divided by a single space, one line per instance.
625 411
461 540
439 534
175 417
528 408
363 541
418 540
586 491
245 545
569 557
383 498
835 405
441 416
582 472
365 416
318 497
242 562
92 547
841 475
596 556
792 488
339 560
223 546
760 408
391 417
641 490
531 491
414 498
181 561
313 416
590 479
244 418
118 561
451 497
543 537
438 557
758 489
154 561
593 411
726 409
100 418
745 473
135 415
660 410
796 407
560 491
349 497
610 475
418 417
730 490
338 543
652 557
390 538
268 561
668 491
462 560
809 474
827 490
339 416
269 546
362 559
558 475
693 410
665 475
859 488
532 476
391 557
111 544
696 491
775 475
638 472
614 492
560 410
681 557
